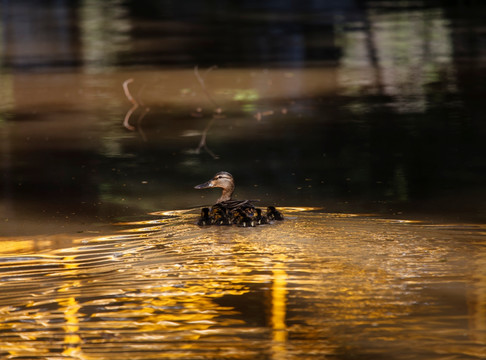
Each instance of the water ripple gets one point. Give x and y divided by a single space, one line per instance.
316 285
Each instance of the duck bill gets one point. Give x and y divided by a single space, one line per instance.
206 185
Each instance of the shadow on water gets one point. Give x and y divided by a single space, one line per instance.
316 285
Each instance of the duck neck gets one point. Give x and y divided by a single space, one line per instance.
226 195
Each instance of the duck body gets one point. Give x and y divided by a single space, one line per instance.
227 211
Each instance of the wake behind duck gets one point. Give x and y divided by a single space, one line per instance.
227 211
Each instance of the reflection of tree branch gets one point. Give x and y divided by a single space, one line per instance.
202 143
203 84
133 108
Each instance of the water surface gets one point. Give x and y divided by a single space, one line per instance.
350 107
317 285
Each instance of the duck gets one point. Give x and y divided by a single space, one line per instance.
225 181
226 210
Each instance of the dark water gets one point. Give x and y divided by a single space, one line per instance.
354 107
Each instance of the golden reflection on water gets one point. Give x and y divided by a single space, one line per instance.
279 305
315 285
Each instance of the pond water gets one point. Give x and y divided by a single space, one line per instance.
317 285
362 120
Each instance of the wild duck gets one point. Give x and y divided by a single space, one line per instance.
229 211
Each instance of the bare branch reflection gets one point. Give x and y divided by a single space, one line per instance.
244 100
217 112
203 84
135 105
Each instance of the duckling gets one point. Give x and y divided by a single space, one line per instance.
274 214
218 208
205 219
219 216
241 219
259 218
249 211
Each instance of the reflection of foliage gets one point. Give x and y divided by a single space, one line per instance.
105 33
245 95
396 54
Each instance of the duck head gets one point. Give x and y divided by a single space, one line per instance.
223 180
